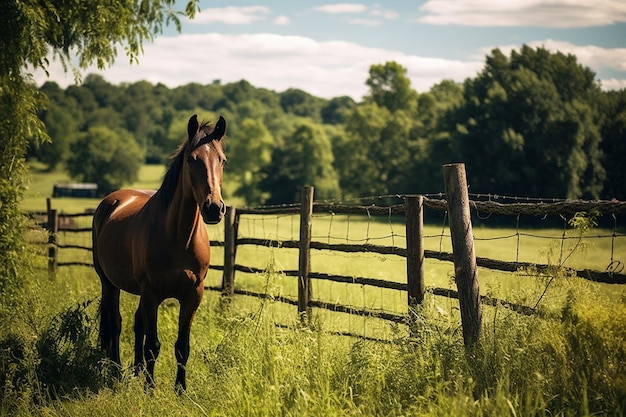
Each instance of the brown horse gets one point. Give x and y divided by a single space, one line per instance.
154 244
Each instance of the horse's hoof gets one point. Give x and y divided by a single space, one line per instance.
180 388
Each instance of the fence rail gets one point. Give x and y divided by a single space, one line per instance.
414 253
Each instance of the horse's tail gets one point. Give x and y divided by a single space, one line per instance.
101 214
106 331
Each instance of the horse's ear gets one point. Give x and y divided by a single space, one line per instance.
220 128
192 127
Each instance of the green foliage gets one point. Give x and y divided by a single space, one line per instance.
524 366
391 88
337 109
377 153
301 103
19 102
306 158
250 153
89 29
584 222
533 117
594 356
106 157
46 358
614 143
68 357
541 123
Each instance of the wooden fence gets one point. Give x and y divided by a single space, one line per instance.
457 205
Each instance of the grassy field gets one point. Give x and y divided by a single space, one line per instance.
41 183
251 357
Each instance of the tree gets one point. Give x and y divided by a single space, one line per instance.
62 128
375 156
30 34
614 144
306 158
391 88
106 157
249 153
337 109
528 126
380 146
301 103
432 143
105 93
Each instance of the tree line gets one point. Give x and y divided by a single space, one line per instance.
532 124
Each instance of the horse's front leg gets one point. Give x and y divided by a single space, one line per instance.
188 307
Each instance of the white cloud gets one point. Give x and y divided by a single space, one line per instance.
231 15
591 56
365 22
543 13
385 14
342 8
613 84
325 69
281 20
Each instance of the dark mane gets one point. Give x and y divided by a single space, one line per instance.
170 180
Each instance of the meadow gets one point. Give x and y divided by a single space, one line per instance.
253 357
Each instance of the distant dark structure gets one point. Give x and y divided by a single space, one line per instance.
76 189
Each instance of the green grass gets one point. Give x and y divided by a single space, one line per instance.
251 357
243 364
42 182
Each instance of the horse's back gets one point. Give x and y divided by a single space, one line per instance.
121 203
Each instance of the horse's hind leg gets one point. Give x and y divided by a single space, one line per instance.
110 320
188 309
149 306
140 337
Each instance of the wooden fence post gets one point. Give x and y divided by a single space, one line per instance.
465 272
230 247
415 250
304 261
53 228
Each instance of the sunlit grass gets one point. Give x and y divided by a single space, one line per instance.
42 182
252 357
243 364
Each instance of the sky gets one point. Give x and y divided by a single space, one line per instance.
326 48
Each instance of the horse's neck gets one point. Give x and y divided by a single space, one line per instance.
181 217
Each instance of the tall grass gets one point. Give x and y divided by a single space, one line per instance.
242 363
253 357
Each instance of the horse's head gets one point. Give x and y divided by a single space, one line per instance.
205 162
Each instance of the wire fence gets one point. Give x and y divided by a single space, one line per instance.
362 244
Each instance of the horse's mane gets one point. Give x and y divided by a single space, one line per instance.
170 179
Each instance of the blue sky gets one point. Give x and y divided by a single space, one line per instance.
326 48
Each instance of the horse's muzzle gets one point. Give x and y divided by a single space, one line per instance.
212 213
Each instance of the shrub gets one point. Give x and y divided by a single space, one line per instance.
60 359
